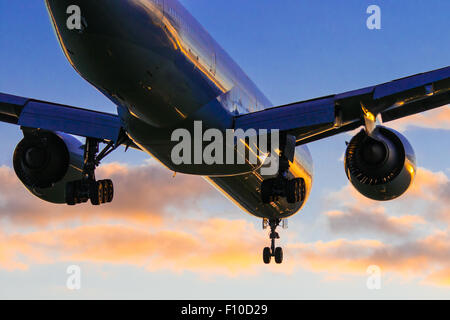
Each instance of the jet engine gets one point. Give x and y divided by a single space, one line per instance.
45 161
382 165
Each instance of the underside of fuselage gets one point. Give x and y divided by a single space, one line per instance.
163 71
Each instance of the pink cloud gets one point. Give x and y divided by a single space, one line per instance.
424 257
365 219
438 118
143 194
214 246
150 238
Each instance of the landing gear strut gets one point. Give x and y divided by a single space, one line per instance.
273 251
292 189
88 188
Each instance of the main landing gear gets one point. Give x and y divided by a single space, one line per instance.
293 190
272 251
88 188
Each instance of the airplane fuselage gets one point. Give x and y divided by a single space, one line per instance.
164 71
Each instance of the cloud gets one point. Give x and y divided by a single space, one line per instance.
223 247
433 188
214 246
427 200
138 228
430 185
422 258
409 237
143 194
367 220
141 232
438 118
439 278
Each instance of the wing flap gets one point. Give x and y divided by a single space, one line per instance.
396 112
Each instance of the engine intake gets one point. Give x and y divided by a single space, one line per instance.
40 160
44 161
380 166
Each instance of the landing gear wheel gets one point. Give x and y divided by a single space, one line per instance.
278 255
267 190
76 192
96 193
281 186
267 255
273 251
105 190
295 190
70 194
109 190
99 192
302 189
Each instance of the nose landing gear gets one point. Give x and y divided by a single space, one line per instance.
272 251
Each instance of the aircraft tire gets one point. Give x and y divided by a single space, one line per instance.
278 255
267 255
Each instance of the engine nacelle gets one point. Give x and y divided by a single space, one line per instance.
45 161
381 166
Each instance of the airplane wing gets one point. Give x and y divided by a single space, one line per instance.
323 117
50 116
307 120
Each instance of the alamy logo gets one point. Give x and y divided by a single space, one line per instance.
74 20
74 280
374 280
234 147
374 20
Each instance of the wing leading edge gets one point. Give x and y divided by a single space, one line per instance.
57 117
323 117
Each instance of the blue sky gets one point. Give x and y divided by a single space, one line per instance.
293 50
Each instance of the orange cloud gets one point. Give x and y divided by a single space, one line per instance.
439 278
143 194
136 230
352 211
366 219
438 118
214 246
412 255
222 247
420 258
428 185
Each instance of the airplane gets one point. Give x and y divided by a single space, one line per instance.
163 71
